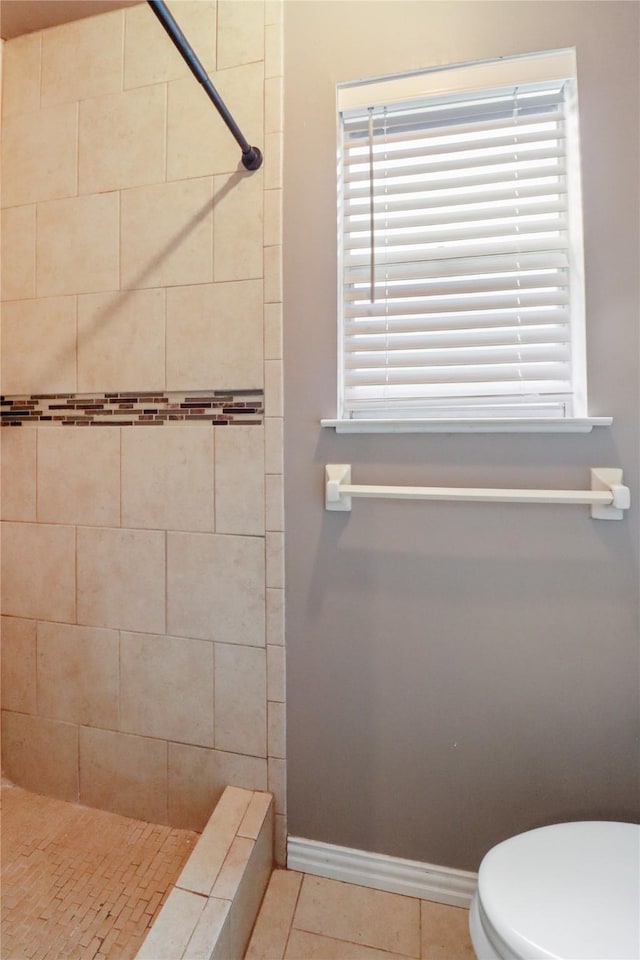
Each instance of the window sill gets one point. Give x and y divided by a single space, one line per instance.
506 425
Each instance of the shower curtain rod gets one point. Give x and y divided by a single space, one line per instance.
251 156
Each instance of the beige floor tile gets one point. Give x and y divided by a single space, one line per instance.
311 946
19 665
372 918
445 932
273 924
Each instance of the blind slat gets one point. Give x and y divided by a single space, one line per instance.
549 333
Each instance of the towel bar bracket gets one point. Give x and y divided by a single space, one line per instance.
608 497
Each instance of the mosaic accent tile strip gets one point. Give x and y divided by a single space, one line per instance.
217 407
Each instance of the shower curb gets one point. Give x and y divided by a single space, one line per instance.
211 910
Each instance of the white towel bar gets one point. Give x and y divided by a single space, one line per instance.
608 497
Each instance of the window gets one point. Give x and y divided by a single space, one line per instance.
460 244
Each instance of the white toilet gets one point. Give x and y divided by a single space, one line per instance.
570 891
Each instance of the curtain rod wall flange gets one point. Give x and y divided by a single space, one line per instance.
251 156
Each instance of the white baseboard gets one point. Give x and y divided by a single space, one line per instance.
409 877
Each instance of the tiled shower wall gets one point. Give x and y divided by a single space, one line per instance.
142 564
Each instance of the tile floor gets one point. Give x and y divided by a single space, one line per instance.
80 883
311 918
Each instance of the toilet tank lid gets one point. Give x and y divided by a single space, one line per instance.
569 891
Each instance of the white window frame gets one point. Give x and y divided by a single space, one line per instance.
454 82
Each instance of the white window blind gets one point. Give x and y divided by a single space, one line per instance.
461 252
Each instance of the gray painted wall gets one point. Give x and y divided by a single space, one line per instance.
459 673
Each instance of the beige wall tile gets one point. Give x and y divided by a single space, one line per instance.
82 59
271 931
273 274
122 140
237 226
215 587
374 918
276 672
39 155
273 445
79 476
277 777
124 774
18 484
18 260
445 932
256 815
121 341
40 755
274 500
273 11
273 331
272 217
233 868
167 478
273 50
214 336
240 32
77 245
166 688
121 579
276 733
280 839
273 171
149 54
78 674
167 234
50 322
275 616
172 928
198 776
21 74
275 559
38 571
199 143
240 480
273 105
240 700
273 386
18 665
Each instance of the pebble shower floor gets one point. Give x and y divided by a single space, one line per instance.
80 883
